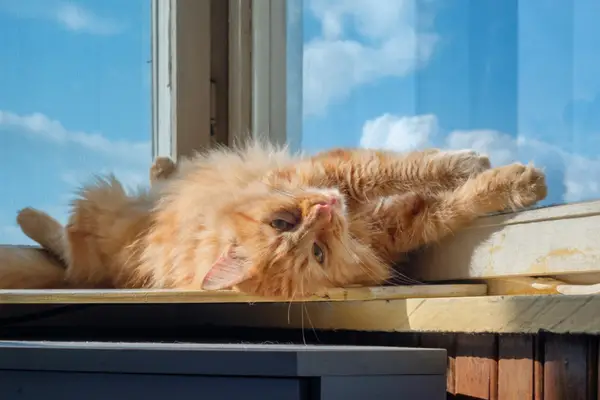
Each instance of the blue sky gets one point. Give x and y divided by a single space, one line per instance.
74 100
515 79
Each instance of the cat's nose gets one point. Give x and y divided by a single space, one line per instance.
331 201
324 210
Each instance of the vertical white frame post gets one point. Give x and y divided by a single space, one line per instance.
240 71
162 134
269 69
181 93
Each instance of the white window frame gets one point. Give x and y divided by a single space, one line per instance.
258 75
161 79
240 70
181 94
271 48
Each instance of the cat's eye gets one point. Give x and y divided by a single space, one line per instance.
282 225
284 221
318 253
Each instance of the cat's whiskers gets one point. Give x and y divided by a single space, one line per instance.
290 304
312 327
361 263
304 308
302 311
326 274
404 278
398 277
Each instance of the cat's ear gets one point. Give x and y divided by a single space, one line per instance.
229 270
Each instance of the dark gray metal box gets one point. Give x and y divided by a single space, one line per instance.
148 371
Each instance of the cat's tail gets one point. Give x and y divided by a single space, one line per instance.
30 268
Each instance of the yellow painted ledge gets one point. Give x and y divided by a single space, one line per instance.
227 296
483 314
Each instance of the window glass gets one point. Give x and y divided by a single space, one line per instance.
516 79
75 95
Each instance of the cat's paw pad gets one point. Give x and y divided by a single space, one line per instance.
528 184
162 168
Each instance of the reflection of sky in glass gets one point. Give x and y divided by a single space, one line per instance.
515 79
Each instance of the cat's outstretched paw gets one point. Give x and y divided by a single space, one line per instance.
513 186
528 184
33 223
41 228
162 168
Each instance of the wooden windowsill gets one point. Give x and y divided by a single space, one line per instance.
118 296
382 313
478 314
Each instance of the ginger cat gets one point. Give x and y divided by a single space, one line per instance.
265 222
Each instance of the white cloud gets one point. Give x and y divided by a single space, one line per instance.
69 15
399 133
580 176
76 18
391 45
501 148
44 127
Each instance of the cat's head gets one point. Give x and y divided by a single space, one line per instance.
292 243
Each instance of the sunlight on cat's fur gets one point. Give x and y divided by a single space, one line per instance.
266 222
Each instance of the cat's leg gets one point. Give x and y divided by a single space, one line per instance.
402 223
425 171
429 162
363 175
161 169
43 229
30 268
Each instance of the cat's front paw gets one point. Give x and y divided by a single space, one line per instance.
162 168
31 221
528 184
38 225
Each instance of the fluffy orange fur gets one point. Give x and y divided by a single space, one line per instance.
30 268
266 222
